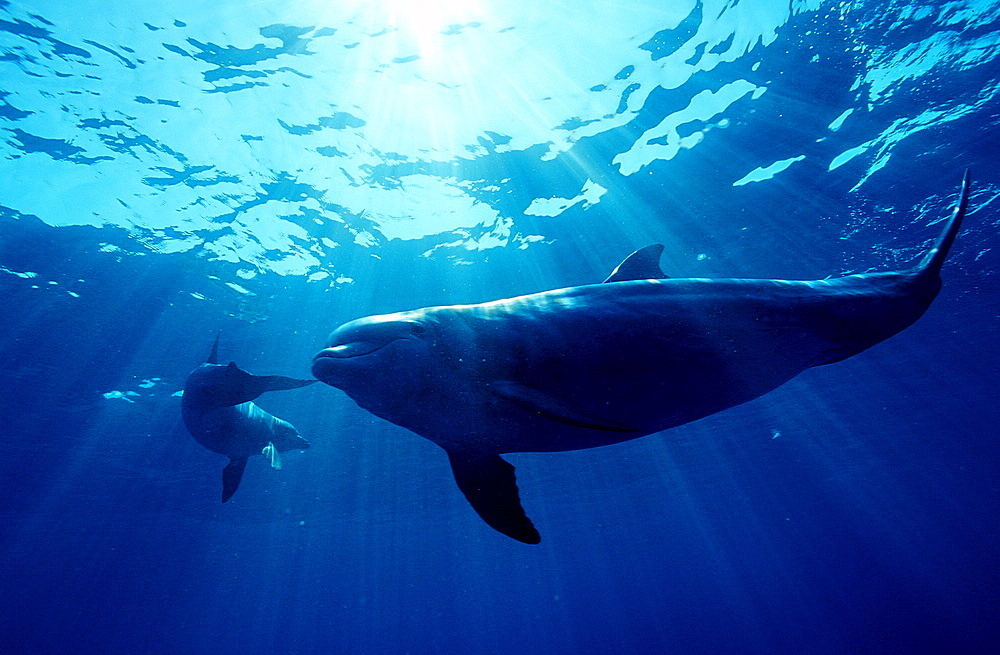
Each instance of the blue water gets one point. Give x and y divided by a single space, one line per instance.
273 169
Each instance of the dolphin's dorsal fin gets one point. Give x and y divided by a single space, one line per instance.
490 486
213 357
553 408
231 476
643 264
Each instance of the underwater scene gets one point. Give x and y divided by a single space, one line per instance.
476 327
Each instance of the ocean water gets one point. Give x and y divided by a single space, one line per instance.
272 169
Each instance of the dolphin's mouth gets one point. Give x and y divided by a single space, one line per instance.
325 365
352 349
329 362
356 339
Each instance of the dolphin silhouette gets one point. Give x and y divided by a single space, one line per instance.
218 412
599 364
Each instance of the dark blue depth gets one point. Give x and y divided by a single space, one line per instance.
853 510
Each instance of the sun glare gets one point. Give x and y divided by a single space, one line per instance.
428 16
418 62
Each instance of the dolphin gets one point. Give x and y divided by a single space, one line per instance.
217 410
595 365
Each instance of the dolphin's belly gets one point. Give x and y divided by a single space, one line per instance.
641 400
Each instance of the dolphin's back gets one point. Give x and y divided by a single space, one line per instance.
642 356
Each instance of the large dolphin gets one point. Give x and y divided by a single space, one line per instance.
595 365
218 412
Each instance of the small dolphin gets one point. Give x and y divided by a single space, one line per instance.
599 364
218 413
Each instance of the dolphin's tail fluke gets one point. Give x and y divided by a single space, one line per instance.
932 261
263 383
235 386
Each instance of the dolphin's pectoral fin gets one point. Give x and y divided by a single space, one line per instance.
272 454
552 407
231 476
489 485
831 356
643 264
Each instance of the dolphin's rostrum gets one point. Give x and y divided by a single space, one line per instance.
218 412
599 364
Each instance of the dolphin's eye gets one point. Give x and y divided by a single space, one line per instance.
417 328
